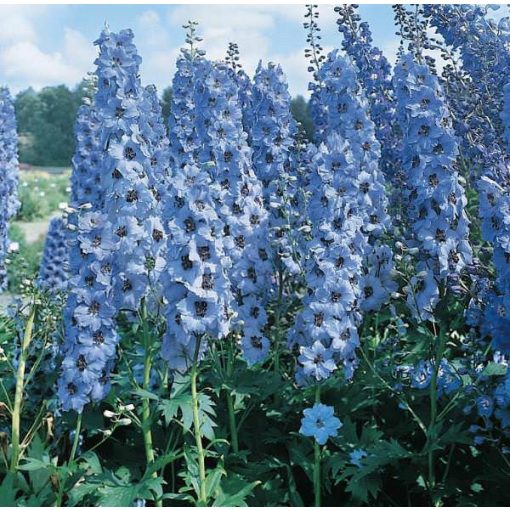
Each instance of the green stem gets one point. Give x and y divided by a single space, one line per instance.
431 432
18 396
146 409
232 422
317 459
197 428
76 440
277 321
317 474
234 440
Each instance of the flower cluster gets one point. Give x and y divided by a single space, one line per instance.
482 44
196 281
347 113
435 198
374 74
326 329
53 271
116 251
86 179
239 198
9 174
271 131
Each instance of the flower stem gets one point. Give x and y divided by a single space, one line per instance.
196 427
234 441
317 459
431 432
76 440
146 409
20 383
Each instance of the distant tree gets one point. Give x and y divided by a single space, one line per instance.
45 124
166 101
301 112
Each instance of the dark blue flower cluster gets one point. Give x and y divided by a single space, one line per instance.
435 199
53 270
9 175
86 179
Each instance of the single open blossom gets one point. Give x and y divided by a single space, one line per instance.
320 423
316 361
9 175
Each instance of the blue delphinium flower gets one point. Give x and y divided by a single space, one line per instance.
332 271
53 270
320 423
317 361
182 126
131 200
271 131
356 457
115 254
374 74
434 197
9 175
347 114
239 198
483 47
85 178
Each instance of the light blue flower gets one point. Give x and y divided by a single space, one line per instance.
320 423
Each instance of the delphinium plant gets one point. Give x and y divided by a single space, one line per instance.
117 244
9 176
437 241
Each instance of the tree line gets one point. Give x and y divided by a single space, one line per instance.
46 121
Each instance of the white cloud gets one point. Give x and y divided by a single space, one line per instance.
22 61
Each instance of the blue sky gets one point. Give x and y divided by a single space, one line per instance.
52 44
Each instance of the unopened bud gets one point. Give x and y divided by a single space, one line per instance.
108 414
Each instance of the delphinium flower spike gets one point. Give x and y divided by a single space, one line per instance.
53 270
239 198
196 283
347 114
271 134
326 330
9 175
118 247
435 198
374 75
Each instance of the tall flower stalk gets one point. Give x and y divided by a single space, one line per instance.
9 176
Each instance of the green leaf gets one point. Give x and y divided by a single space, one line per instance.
117 496
494 369
34 465
8 491
233 491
